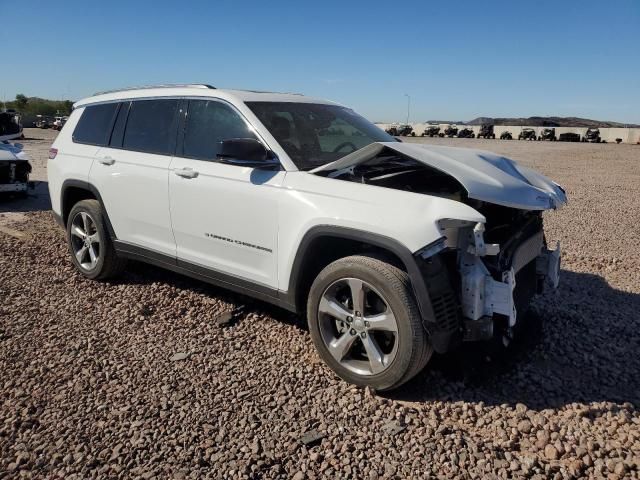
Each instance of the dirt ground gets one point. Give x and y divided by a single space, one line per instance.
90 387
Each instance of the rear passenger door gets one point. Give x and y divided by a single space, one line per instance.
225 217
131 173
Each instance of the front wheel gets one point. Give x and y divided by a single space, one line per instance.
90 244
365 324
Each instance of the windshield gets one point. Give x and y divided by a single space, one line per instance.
315 134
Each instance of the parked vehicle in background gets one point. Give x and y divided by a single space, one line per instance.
10 126
391 250
548 134
466 133
486 131
59 122
14 170
431 131
401 131
592 135
527 134
44 121
569 137
392 130
506 135
451 131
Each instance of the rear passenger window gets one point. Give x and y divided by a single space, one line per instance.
118 128
95 124
208 124
151 126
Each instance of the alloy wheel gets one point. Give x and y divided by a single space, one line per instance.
85 240
358 327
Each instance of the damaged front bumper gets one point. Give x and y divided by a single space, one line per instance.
14 169
486 300
14 177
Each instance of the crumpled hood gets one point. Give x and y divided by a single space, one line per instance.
486 176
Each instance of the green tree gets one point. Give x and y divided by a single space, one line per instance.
68 106
21 101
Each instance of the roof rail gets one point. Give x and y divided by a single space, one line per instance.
166 85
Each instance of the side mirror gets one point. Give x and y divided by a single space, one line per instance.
247 152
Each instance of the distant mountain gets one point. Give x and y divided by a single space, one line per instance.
446 122
549 122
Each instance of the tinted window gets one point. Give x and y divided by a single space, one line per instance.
208 124
95 124
151 126
118 127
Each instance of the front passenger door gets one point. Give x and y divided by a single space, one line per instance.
224 217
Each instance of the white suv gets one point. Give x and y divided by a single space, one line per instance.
392 250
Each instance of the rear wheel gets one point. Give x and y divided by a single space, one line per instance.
90 244
365 323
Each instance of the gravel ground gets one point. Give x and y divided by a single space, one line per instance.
91 385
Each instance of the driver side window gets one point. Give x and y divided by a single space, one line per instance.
208 124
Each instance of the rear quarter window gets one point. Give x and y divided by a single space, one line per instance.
94 125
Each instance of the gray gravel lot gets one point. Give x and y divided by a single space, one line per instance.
90 387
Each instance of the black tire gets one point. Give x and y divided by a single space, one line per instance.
108 264
413 346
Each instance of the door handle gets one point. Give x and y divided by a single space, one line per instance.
107 160
186 172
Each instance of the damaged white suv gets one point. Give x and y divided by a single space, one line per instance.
392 250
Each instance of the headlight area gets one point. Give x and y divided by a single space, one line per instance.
478 287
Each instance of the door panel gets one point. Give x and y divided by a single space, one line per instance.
132 172
134 189
224 217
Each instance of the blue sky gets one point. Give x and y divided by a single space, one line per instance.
457 60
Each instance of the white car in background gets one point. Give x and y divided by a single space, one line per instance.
14 169
59 122
391 250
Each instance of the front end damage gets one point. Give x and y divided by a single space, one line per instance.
14 169
499 270
480 276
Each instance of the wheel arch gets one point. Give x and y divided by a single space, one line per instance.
72 192
310 259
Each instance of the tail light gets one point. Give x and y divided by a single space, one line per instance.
52 153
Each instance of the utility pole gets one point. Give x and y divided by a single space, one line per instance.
408 106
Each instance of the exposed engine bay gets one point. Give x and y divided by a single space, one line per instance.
493 269
392 169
